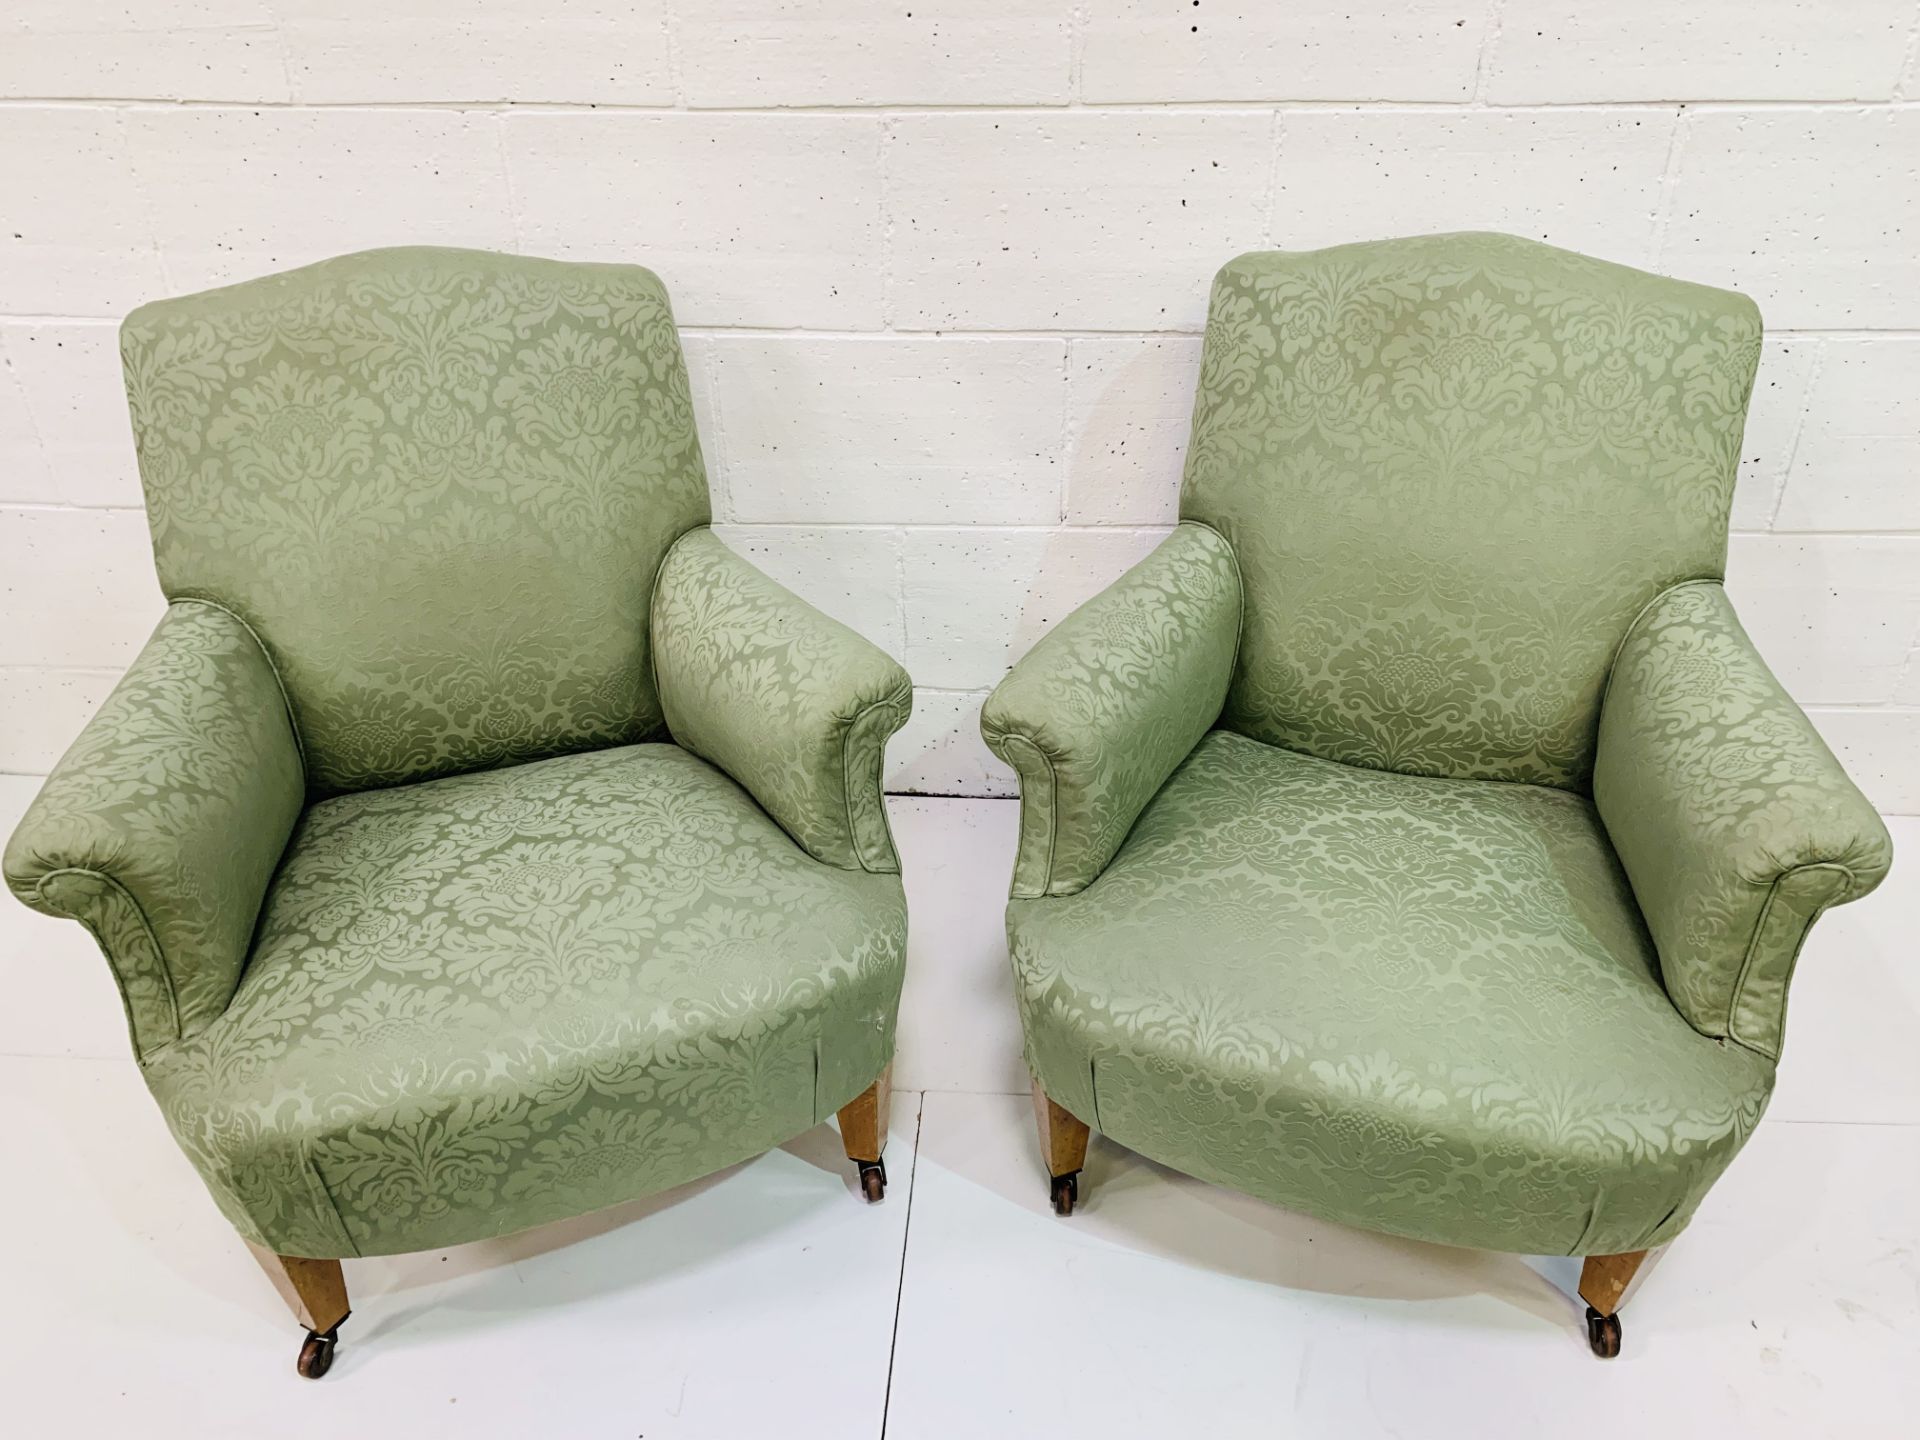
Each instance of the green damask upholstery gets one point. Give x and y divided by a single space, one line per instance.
348 455
477 842
1452 470
161 826
492 1000
810 747
1394 996
1728 811
1470 914
1112 700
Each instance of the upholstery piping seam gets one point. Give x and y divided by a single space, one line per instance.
1613 665
1052 816
1746 965
273 668
847 776
173 998
653 595
1009 737
126 1002
1779 875
1240 586
1793 960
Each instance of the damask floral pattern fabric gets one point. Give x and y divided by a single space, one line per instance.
1453 469
486 1002
792 704
1425 1006
1335 963
437 483
410 507
160 827
1735 822
1097 715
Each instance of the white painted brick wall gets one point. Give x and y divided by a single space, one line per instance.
70 430
751 54
78 233
1775 417
942 267
1809 209
163 49
1075 219
1589 179
573 52
768 220
44 708
1792 591
1129 407
1857 466
1554 51
77 586
890 430
235 191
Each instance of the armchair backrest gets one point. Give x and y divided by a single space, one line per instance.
1453 469
437 484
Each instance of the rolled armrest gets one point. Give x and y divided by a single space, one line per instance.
160 828
1735 824
793 705
1100 712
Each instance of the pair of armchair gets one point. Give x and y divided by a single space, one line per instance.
1413 839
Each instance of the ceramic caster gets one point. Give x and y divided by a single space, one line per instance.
316 1353
1603 1333
1066 1190
873 1180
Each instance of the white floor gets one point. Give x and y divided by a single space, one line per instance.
768 1301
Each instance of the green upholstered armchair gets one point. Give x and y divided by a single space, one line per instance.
478 841
1415 838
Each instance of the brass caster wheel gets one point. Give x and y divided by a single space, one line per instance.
873 1180
1066 1190
316 1353
1603 1333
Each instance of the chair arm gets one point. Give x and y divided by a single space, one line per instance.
794 706
160 828
1100 712
1734 822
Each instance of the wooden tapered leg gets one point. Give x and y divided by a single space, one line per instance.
1603 1280
863 1131
1063 1146
863 1119
316 1292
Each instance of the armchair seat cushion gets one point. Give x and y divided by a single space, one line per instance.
1426 1006
482 1003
